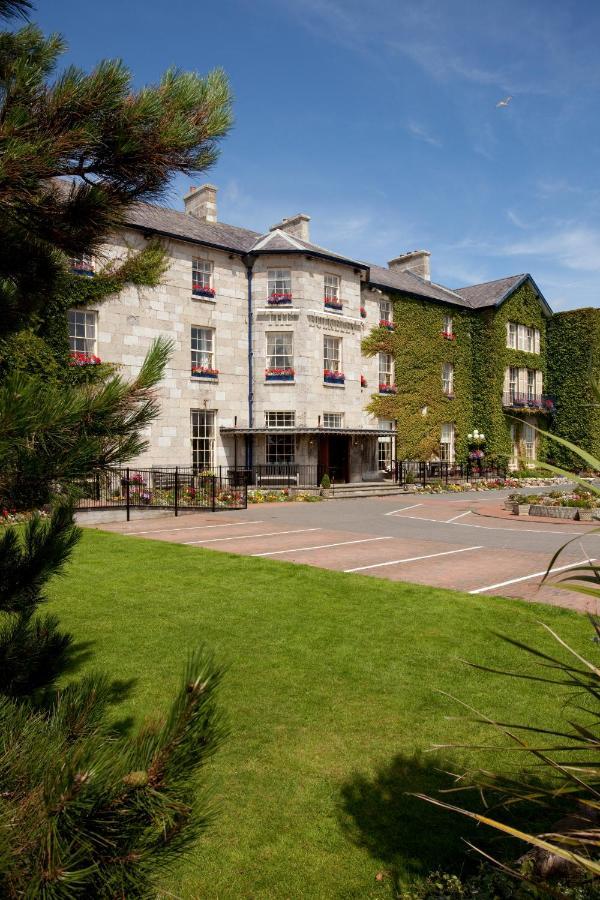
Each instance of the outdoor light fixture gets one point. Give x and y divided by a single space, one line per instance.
478 437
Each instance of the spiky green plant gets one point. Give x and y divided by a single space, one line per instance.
560 767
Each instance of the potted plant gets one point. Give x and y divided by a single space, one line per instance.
279 299
199 290
325 486
363 382
363 312
333 303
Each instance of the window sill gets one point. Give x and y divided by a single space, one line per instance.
204 299
332 384
279 381
204 379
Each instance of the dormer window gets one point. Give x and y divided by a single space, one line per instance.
202 278
331 293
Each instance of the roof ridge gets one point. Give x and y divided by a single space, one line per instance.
492 281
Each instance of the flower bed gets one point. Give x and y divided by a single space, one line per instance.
577 504
279 374
330 303
205 372
199 291
331 377
84 359
388 389
282 496
279 299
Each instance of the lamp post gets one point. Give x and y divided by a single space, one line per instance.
476 443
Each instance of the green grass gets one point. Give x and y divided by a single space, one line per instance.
330 692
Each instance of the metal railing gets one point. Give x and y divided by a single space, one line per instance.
410 471
516 400
178 488
280 475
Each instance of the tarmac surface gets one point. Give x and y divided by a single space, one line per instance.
465 542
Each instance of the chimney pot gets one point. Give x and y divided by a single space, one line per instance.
296 226
201 202
415 261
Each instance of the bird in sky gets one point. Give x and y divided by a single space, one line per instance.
503 102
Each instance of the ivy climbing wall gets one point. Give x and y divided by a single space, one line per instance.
420 350
574 361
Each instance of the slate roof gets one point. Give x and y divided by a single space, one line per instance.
177 224
413 284
490 292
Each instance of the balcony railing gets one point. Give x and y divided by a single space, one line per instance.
516 400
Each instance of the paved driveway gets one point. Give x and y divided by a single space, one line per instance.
436 540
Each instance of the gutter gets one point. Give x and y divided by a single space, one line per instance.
249 259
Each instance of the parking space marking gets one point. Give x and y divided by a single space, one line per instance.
495 528
241 537
195 527
324 546
397 562
402 509
492 587
459 516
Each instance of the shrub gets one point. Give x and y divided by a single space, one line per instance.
325 482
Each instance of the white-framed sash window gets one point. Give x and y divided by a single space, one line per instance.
202 274
280 350
280 418
386 369
333 420
280 281
82 331
447 442
386 310
448 379
203 348
331 288
332 353
203 438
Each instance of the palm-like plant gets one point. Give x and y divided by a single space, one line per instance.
560 775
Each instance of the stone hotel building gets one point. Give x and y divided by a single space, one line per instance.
271 367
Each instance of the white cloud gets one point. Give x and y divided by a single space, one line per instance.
422 134
514 217
576 248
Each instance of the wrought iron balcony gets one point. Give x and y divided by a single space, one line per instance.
528 401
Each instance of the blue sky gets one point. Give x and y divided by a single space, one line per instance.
379 120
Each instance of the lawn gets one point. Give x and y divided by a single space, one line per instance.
330 693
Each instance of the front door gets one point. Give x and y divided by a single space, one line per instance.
334 456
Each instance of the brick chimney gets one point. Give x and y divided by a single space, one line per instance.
296 226
201 202
415 261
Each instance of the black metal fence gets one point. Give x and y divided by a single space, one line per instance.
410 471
280 475
174 488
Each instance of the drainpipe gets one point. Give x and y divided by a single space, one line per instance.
249 261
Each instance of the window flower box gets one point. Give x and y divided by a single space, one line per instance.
279 374
331 377
363 382
205 372
279 299
388 389
198 290
363 312
332 303
449 335
385 323
84 359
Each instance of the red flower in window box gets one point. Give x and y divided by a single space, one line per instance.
204 372
449 335
332 377
332 303
385 323
84 359
363 381
363 312
388 389
279 373
279 299
199 290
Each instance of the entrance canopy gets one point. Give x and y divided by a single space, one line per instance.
349 432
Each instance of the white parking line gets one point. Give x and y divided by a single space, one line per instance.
459 516
195 527
323 546
241 537
397 562
492 587
402 509
505 530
